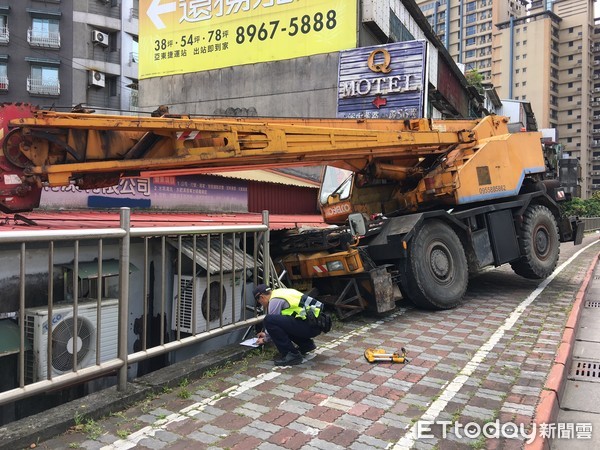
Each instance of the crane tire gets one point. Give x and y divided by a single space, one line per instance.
539 244
435 273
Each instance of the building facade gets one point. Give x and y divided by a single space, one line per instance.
466 28
305 86
60 53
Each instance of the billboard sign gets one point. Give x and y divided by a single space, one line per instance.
182 36
385 81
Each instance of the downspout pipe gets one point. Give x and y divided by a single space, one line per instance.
511 57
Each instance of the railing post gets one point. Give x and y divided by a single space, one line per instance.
266 252
123 297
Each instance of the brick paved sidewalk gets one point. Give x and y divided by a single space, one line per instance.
463 369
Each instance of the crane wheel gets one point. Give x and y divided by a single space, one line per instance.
435 273
539 244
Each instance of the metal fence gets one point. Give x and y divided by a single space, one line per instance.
196 276
591 223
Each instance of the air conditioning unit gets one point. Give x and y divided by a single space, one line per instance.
100 38
97 78
65 340
224 312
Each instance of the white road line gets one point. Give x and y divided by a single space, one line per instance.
189 411
409 439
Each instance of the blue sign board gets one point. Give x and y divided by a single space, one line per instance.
385 81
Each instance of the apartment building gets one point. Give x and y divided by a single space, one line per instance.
545 53
547 58
466 28
59 53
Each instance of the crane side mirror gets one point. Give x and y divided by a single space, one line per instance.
359 224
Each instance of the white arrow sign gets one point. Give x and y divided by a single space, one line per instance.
156 9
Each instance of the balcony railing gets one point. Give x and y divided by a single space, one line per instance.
49 39
36 86
3 84
4 35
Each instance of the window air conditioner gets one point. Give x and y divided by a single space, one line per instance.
100 38
97 78
64 339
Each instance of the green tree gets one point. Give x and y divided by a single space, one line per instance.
474 78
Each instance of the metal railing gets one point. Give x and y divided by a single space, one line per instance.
38 86
3 83
4 35
226 260
50 39
591 223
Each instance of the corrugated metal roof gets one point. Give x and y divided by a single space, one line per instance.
232 258
268 176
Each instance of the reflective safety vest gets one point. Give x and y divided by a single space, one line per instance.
298 302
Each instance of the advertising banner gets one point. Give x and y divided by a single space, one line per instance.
182 36
175 193
385 81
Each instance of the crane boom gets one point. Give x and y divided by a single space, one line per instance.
46 148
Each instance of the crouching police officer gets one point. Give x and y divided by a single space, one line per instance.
286 322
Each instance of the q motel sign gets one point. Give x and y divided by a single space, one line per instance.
386 81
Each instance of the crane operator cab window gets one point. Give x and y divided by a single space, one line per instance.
336 182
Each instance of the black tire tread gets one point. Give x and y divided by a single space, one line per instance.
528 266
413 283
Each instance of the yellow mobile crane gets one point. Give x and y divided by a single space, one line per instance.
424 203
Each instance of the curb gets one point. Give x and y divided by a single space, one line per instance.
53 422
548 406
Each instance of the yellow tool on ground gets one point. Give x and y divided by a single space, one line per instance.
380 355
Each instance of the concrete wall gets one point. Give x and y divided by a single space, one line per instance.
301 87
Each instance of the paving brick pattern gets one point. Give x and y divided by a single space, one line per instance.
337 400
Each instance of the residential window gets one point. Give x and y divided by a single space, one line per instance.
4 35
44 33
471 30
470 54
471 6
43 81
3 77
570 112
570 98
470 41
471 18
524 83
